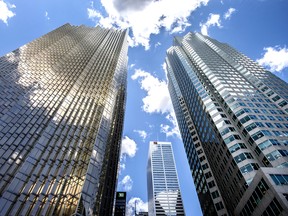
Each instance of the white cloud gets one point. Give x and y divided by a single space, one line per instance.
157 44
157 99
122 167
46 15
146 17
126 183
140 206
5 12
128 147
213 20
275 59
131 66
142 134
167 129
229 13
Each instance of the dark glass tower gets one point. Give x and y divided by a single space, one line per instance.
233 118
62 102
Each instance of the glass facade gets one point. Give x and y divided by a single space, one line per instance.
163 187
232 115
62 101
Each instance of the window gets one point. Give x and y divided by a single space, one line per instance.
255 198
202 158
211 184
205 166
271 118
227 130
274 208
219 206
237 146
276 98
247 118
278 125
260 134
279 118
262 117
208 175
270 125
254 125
279 179
240 112
249 168
277 133
282 103
268 143
231 138
256 111
215 194
273 155
243 156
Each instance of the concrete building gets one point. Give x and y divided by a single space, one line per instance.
62 101
164 197
233 118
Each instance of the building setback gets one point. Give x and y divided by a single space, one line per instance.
233 118
164 197
62 101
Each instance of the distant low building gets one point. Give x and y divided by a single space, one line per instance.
164 197
120 204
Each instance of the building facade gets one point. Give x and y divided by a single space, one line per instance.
233 118
62 102
164 196
120 204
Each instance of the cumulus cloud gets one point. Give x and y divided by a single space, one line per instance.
171 130
213 20
126 183
142 134
145 17
140 206
157 99
5 12
275 58
128 147
122 167
229 13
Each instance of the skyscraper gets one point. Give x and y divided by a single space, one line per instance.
62 101
164 197
120 204
233 119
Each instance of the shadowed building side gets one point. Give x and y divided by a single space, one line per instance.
61 117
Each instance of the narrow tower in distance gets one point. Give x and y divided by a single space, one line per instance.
233 118
62 102
164 197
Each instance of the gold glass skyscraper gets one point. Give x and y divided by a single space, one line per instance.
233 118
62 102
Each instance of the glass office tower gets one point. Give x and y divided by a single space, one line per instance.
233 118
164 197
62 101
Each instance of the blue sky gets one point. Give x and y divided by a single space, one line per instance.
257 28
